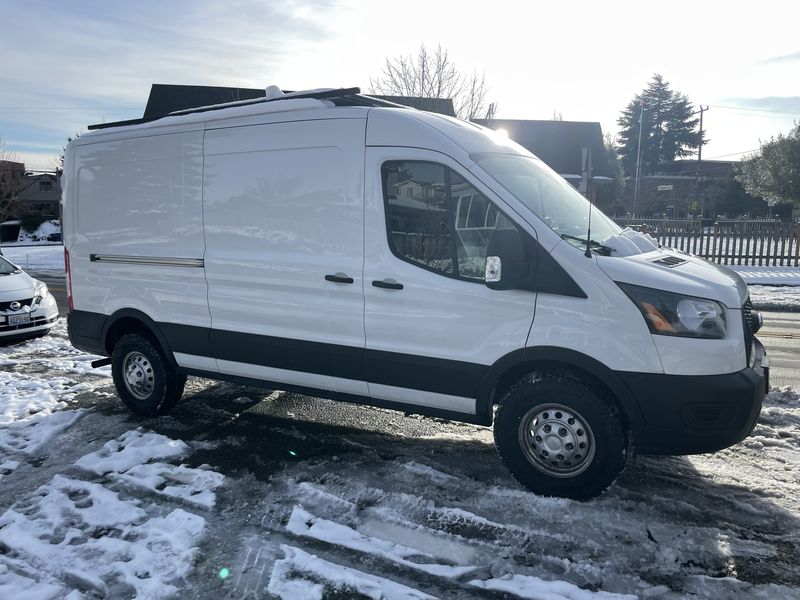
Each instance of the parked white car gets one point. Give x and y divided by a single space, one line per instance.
27 308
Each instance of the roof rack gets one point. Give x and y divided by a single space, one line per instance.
340 97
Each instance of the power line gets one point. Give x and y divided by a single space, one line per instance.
732 154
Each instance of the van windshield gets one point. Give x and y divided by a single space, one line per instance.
548 196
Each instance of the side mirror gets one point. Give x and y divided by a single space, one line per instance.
507 267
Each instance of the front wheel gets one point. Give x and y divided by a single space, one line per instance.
145 381
559 437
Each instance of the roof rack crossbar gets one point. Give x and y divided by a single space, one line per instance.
120 123
350 97
318 95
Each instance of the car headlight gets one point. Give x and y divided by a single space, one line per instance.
39 292
667 313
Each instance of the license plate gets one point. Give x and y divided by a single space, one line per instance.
23 319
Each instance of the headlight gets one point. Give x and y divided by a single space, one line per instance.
39 292
674 314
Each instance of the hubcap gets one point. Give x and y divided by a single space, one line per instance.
139 378
556 440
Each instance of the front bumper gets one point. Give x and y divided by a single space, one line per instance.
42 318
691 414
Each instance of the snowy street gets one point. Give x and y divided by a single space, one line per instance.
243 493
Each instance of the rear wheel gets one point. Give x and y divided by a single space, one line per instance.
145 381
559 437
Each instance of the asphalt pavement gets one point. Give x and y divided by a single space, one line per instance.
780 335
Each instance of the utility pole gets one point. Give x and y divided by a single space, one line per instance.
700 149
699 160
638 159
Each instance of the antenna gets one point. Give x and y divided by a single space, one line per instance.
586 156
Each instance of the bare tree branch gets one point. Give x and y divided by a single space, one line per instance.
6 154
434 75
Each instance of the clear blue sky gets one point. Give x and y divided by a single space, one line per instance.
70 64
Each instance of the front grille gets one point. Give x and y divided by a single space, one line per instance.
34 323
747 323
7 305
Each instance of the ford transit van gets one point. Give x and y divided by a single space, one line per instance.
347 248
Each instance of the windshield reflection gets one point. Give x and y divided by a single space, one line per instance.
548 195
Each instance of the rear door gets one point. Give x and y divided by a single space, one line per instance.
285 245
433 328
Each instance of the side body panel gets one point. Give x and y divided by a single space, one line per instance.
137 199
284 209
605 325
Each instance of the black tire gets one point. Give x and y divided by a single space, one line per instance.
559 437
152 387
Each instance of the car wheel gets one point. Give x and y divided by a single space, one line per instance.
560 437
145 381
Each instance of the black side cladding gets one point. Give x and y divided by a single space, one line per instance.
551 278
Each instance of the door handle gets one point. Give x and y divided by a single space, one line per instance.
339 278
388 284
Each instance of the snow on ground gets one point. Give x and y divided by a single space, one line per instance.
779 298
235 498
74 538
35 433
44 380
40 235
762 275
637 540
25 395
286 584
85 536
41 258
129 459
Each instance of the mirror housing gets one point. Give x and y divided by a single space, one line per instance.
494 269
507 266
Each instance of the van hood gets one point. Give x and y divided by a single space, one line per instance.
674 271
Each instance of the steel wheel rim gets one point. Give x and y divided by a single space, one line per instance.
138 375
557 440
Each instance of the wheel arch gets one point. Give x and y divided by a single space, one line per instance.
515 365
130 320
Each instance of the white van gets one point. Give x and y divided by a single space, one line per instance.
341 246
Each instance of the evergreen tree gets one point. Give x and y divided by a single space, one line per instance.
669 129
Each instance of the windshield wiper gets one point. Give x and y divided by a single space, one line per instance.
598 247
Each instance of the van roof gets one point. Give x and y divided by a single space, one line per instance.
393 124
195 101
